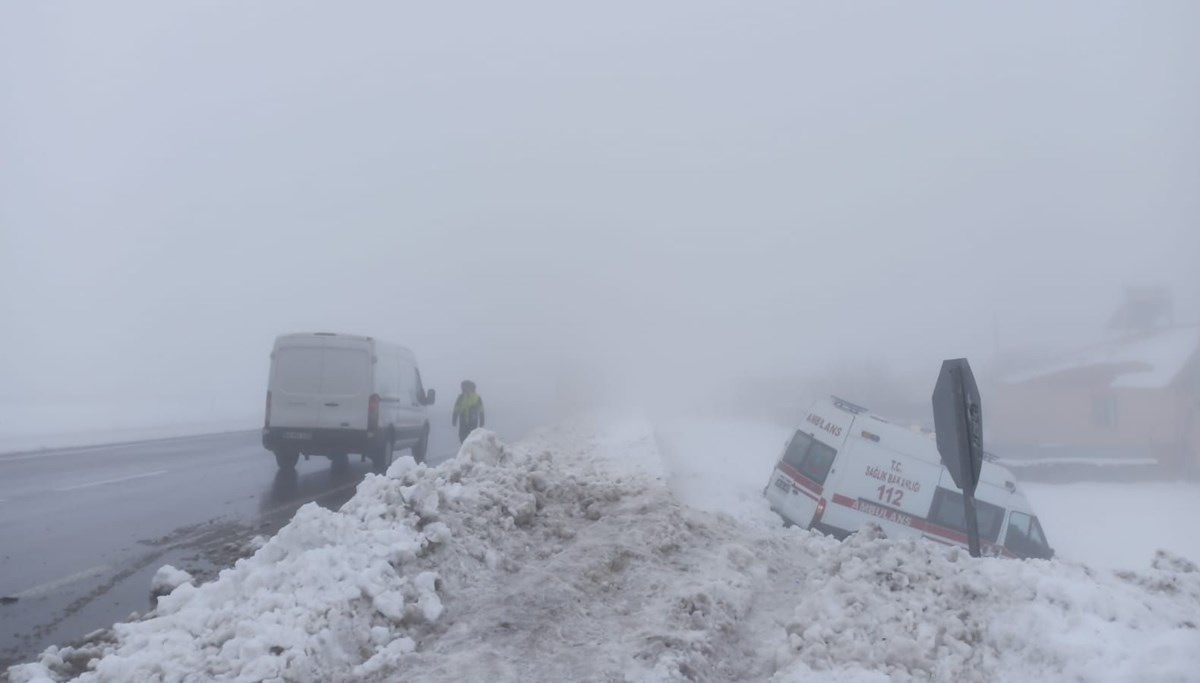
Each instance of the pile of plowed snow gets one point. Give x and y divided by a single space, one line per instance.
569 558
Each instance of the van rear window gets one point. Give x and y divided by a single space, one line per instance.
810 457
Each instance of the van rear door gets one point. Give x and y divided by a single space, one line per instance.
318 385
346 386
296 386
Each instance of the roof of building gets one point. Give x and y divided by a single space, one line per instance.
1147 361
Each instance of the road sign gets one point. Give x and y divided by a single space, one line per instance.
958 421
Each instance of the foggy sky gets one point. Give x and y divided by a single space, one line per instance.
523 190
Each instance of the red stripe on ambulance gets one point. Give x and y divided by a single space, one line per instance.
931 530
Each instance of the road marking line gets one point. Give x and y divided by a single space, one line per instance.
49 586
35 456
73 450
111 481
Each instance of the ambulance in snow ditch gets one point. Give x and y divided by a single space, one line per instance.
845 467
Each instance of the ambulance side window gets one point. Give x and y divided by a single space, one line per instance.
948 510
1018 525
1035 533
810 457
1025 537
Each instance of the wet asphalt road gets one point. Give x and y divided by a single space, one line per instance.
83 530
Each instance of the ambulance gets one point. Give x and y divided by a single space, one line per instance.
845 467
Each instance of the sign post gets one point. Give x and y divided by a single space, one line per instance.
958 421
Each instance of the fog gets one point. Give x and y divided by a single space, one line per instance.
641 200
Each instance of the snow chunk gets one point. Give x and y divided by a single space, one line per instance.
167 579
482 446
428 602
437 532
401 466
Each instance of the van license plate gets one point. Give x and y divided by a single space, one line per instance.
298 436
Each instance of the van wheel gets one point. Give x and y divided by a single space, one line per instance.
381 459
422 448
287 459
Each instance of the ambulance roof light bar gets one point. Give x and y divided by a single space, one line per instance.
848 406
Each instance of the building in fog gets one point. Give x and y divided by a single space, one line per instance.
1132 401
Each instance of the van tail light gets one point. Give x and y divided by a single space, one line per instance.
819 513
373 413
267 415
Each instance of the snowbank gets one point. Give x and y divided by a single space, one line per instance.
915 611
568 557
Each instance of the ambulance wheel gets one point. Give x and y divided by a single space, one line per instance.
287 459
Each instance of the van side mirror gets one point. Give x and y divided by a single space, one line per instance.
430 396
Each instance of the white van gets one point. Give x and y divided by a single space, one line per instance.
845 467
337 394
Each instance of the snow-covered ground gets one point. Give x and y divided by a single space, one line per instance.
30 426
618 551
722 466
1119 526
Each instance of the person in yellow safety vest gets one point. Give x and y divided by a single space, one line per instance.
468 411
